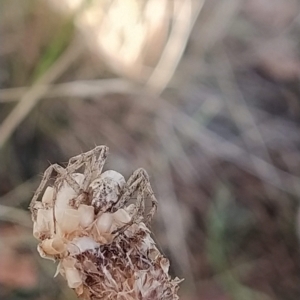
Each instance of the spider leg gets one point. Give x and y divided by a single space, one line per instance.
76 162
81 157
149 191
66 175
88 174
137 214
45 179
131 186
137 174
137 178
93 162
146 188
140 204
95 165
103 153
54 201
154 203
139 181
47 175
79 160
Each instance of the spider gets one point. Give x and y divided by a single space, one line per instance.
106 191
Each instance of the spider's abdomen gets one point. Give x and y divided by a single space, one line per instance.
106 189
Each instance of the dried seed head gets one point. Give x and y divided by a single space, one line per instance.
104 223
69 271
81 244
86 215
104 252
44 225
53 247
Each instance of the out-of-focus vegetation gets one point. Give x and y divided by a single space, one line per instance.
220 140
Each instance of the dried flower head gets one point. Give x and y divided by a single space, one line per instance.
103 245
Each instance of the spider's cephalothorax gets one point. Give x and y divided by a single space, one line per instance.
106 190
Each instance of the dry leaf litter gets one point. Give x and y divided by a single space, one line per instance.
102 243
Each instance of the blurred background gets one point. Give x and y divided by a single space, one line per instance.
203 95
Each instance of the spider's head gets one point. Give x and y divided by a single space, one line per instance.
105 190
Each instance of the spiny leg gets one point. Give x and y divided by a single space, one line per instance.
138 212
94 166
47 175
91 159
88 173
100 161
45 179
67 176
77 161
131 186
148 189
141 185
154 203
55 190
143 189
137 174
128 192
142 175
136 216
140 203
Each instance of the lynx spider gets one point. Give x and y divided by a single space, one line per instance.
93 162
